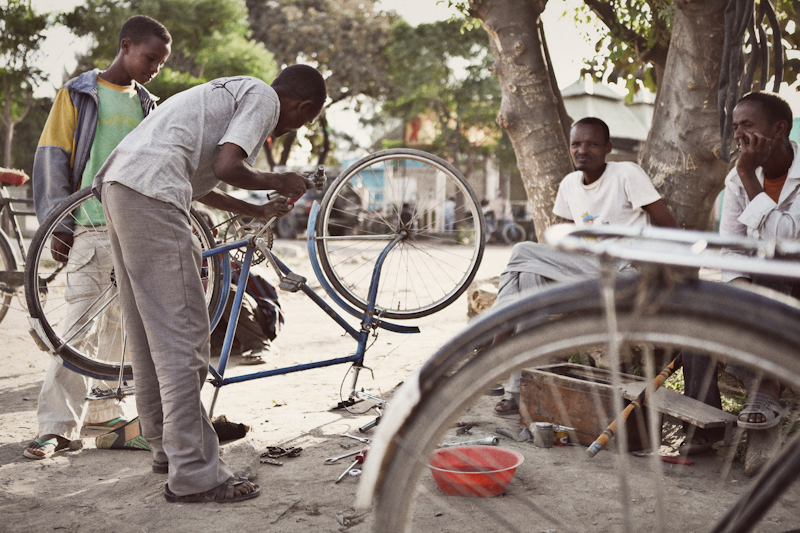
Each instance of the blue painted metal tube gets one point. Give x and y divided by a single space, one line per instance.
235 309
226 248
289 369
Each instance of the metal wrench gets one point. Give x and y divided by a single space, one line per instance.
360 439
334 459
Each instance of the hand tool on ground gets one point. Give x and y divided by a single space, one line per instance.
360 439
488 441
334 459
359 459
663 376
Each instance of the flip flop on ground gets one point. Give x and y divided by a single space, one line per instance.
45 446
765 405
105 426
235 489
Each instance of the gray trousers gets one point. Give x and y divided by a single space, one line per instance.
532 267
156 260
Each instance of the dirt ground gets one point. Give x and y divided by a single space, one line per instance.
94 490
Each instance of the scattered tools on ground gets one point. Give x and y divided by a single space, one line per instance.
360 439
331 460
488 441
273 453
359 459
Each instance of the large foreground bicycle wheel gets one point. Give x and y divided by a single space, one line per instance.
561 489
419 200
73 306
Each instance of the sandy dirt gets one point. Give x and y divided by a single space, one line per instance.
94 490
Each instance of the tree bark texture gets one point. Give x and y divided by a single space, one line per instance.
529 109
682 148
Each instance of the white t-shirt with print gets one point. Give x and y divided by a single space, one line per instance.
616 198
170 155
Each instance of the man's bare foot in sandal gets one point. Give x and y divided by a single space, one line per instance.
508 406
763 409
45 446
235 489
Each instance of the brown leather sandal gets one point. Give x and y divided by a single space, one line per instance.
225 493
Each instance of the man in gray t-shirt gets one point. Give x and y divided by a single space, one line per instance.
178 154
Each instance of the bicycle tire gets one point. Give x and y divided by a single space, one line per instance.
8 264
401 192
47 293
513 233
745 326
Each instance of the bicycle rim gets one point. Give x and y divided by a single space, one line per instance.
7 264
412 195
74 307
614 491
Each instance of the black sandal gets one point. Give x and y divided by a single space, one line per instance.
225 493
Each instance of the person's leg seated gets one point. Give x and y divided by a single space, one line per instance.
700 383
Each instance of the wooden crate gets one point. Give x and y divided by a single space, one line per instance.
580 397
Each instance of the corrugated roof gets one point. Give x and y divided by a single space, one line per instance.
586 99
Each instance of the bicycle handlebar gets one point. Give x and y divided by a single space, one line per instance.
318 178
683 248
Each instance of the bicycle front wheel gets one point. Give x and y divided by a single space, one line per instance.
73 306
424 205
613 491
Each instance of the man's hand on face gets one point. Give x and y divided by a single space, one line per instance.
754 151
293 185
274 208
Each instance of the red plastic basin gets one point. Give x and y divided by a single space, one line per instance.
474 471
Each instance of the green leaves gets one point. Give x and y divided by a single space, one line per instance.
211 39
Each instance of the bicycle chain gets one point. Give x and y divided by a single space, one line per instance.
275 452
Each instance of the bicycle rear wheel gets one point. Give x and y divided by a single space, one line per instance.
73 308
7 264
613 491
417 198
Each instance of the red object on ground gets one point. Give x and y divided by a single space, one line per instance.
474 471
13 177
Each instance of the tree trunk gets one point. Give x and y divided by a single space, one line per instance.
681 151
529 109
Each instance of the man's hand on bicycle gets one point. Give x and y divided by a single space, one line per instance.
292 184
61 245
275 208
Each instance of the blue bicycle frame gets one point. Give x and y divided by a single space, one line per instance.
369 319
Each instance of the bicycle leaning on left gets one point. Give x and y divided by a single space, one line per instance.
12 258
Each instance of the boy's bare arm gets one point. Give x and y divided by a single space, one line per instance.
224 202
230 167
660 215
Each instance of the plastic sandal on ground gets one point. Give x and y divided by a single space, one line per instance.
225 493
48 447
762 403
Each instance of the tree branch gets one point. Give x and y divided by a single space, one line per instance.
656 54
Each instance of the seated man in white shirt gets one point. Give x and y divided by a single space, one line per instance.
596 193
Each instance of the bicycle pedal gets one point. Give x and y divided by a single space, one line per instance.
292 282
